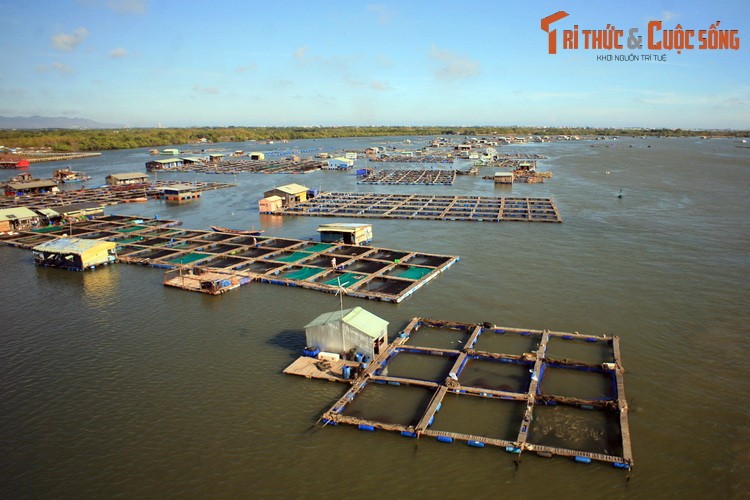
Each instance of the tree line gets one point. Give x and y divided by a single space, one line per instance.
66 140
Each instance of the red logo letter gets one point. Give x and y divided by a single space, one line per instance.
553 34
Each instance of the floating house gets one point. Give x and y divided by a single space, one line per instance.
503 178
17 218
290 193
79 210
15 163
191 160
339 163
270 204
75 254
257 156
180 192
346 232
127 178
31 187
215 157
346 332
164 164
171 151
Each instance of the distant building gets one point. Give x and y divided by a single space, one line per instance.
14 163
349 331
257 156
164 164
171 151
31 187
339 163
180 192
75 254
290 193
78 210
127 178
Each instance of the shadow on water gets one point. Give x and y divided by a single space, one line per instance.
292 341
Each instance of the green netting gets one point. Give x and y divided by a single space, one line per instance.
318 248
47 229
130 240
303 274
130 229
415 273
346 279
293 257
189 257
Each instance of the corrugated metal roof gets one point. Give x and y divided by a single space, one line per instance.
349 227
129 175
356 317
75 207
73 245
48 212
165 161
274 198
31 184
292 188
17 213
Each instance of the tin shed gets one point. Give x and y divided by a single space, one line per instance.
348 330
75 254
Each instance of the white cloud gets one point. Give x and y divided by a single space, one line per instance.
304 58
454 66
118 53
68 41
376 85
669 14
61 68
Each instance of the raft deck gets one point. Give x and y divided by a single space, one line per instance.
535 398
426 207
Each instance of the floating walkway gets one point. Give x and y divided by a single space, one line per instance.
428 177
360 271
525 392
105 195
426 207
240 166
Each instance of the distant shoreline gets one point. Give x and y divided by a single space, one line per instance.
67 140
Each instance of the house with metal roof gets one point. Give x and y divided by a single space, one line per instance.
17 218
77 210
31 187
126 178
348 331
290 193
350 233
164 164
75 254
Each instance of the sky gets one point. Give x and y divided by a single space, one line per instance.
149 63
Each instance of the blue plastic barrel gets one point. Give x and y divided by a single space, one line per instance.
621 465
364 427
583 460
358 357
408 434
444 439
475 444
346 372
364 366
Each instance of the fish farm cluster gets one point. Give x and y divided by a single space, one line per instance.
509 377
427 207
361 271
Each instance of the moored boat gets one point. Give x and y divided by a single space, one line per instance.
251 232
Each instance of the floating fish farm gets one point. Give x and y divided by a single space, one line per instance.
523 391
426 207
360 271
427 177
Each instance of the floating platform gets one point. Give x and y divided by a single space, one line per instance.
361 271
527 391
397 158
240 166
105 195
427 177
426 207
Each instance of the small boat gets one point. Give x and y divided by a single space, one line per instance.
66 175
620 195
251 232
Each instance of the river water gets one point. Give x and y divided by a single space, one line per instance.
113 385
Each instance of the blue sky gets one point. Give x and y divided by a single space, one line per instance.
252 63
